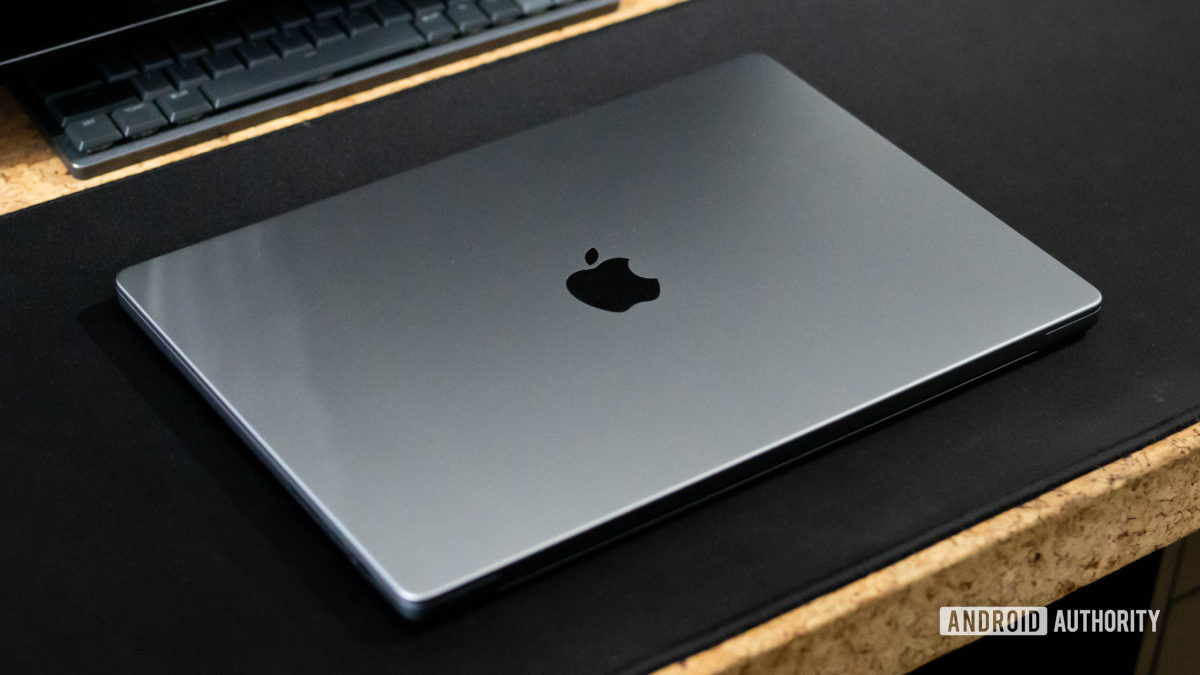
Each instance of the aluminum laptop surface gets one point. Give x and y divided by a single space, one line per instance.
409 358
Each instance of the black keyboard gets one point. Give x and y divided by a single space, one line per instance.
236 69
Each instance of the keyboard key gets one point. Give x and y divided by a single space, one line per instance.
290 42
499 11
424 7
151 85
53 84
356 4
330 59
288 16
187 46
68 108
321 33
465 15
356 22
153 57
219 36
323 9
533 6
187 74
183 106
255 52
254 26
117 68
222 63
435 27
391 11
92 133
139 119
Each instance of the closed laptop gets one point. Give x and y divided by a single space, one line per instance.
475 368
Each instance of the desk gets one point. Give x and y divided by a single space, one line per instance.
1031 554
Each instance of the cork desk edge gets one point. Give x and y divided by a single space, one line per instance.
886 621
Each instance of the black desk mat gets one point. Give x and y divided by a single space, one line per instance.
140 535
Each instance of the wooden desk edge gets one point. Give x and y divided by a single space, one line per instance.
887 621
1029 555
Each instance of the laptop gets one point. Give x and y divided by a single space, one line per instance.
477 368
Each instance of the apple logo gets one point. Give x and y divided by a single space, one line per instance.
611 285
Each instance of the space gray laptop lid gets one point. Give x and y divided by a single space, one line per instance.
467 365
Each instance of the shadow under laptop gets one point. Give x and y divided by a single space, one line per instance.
296 537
